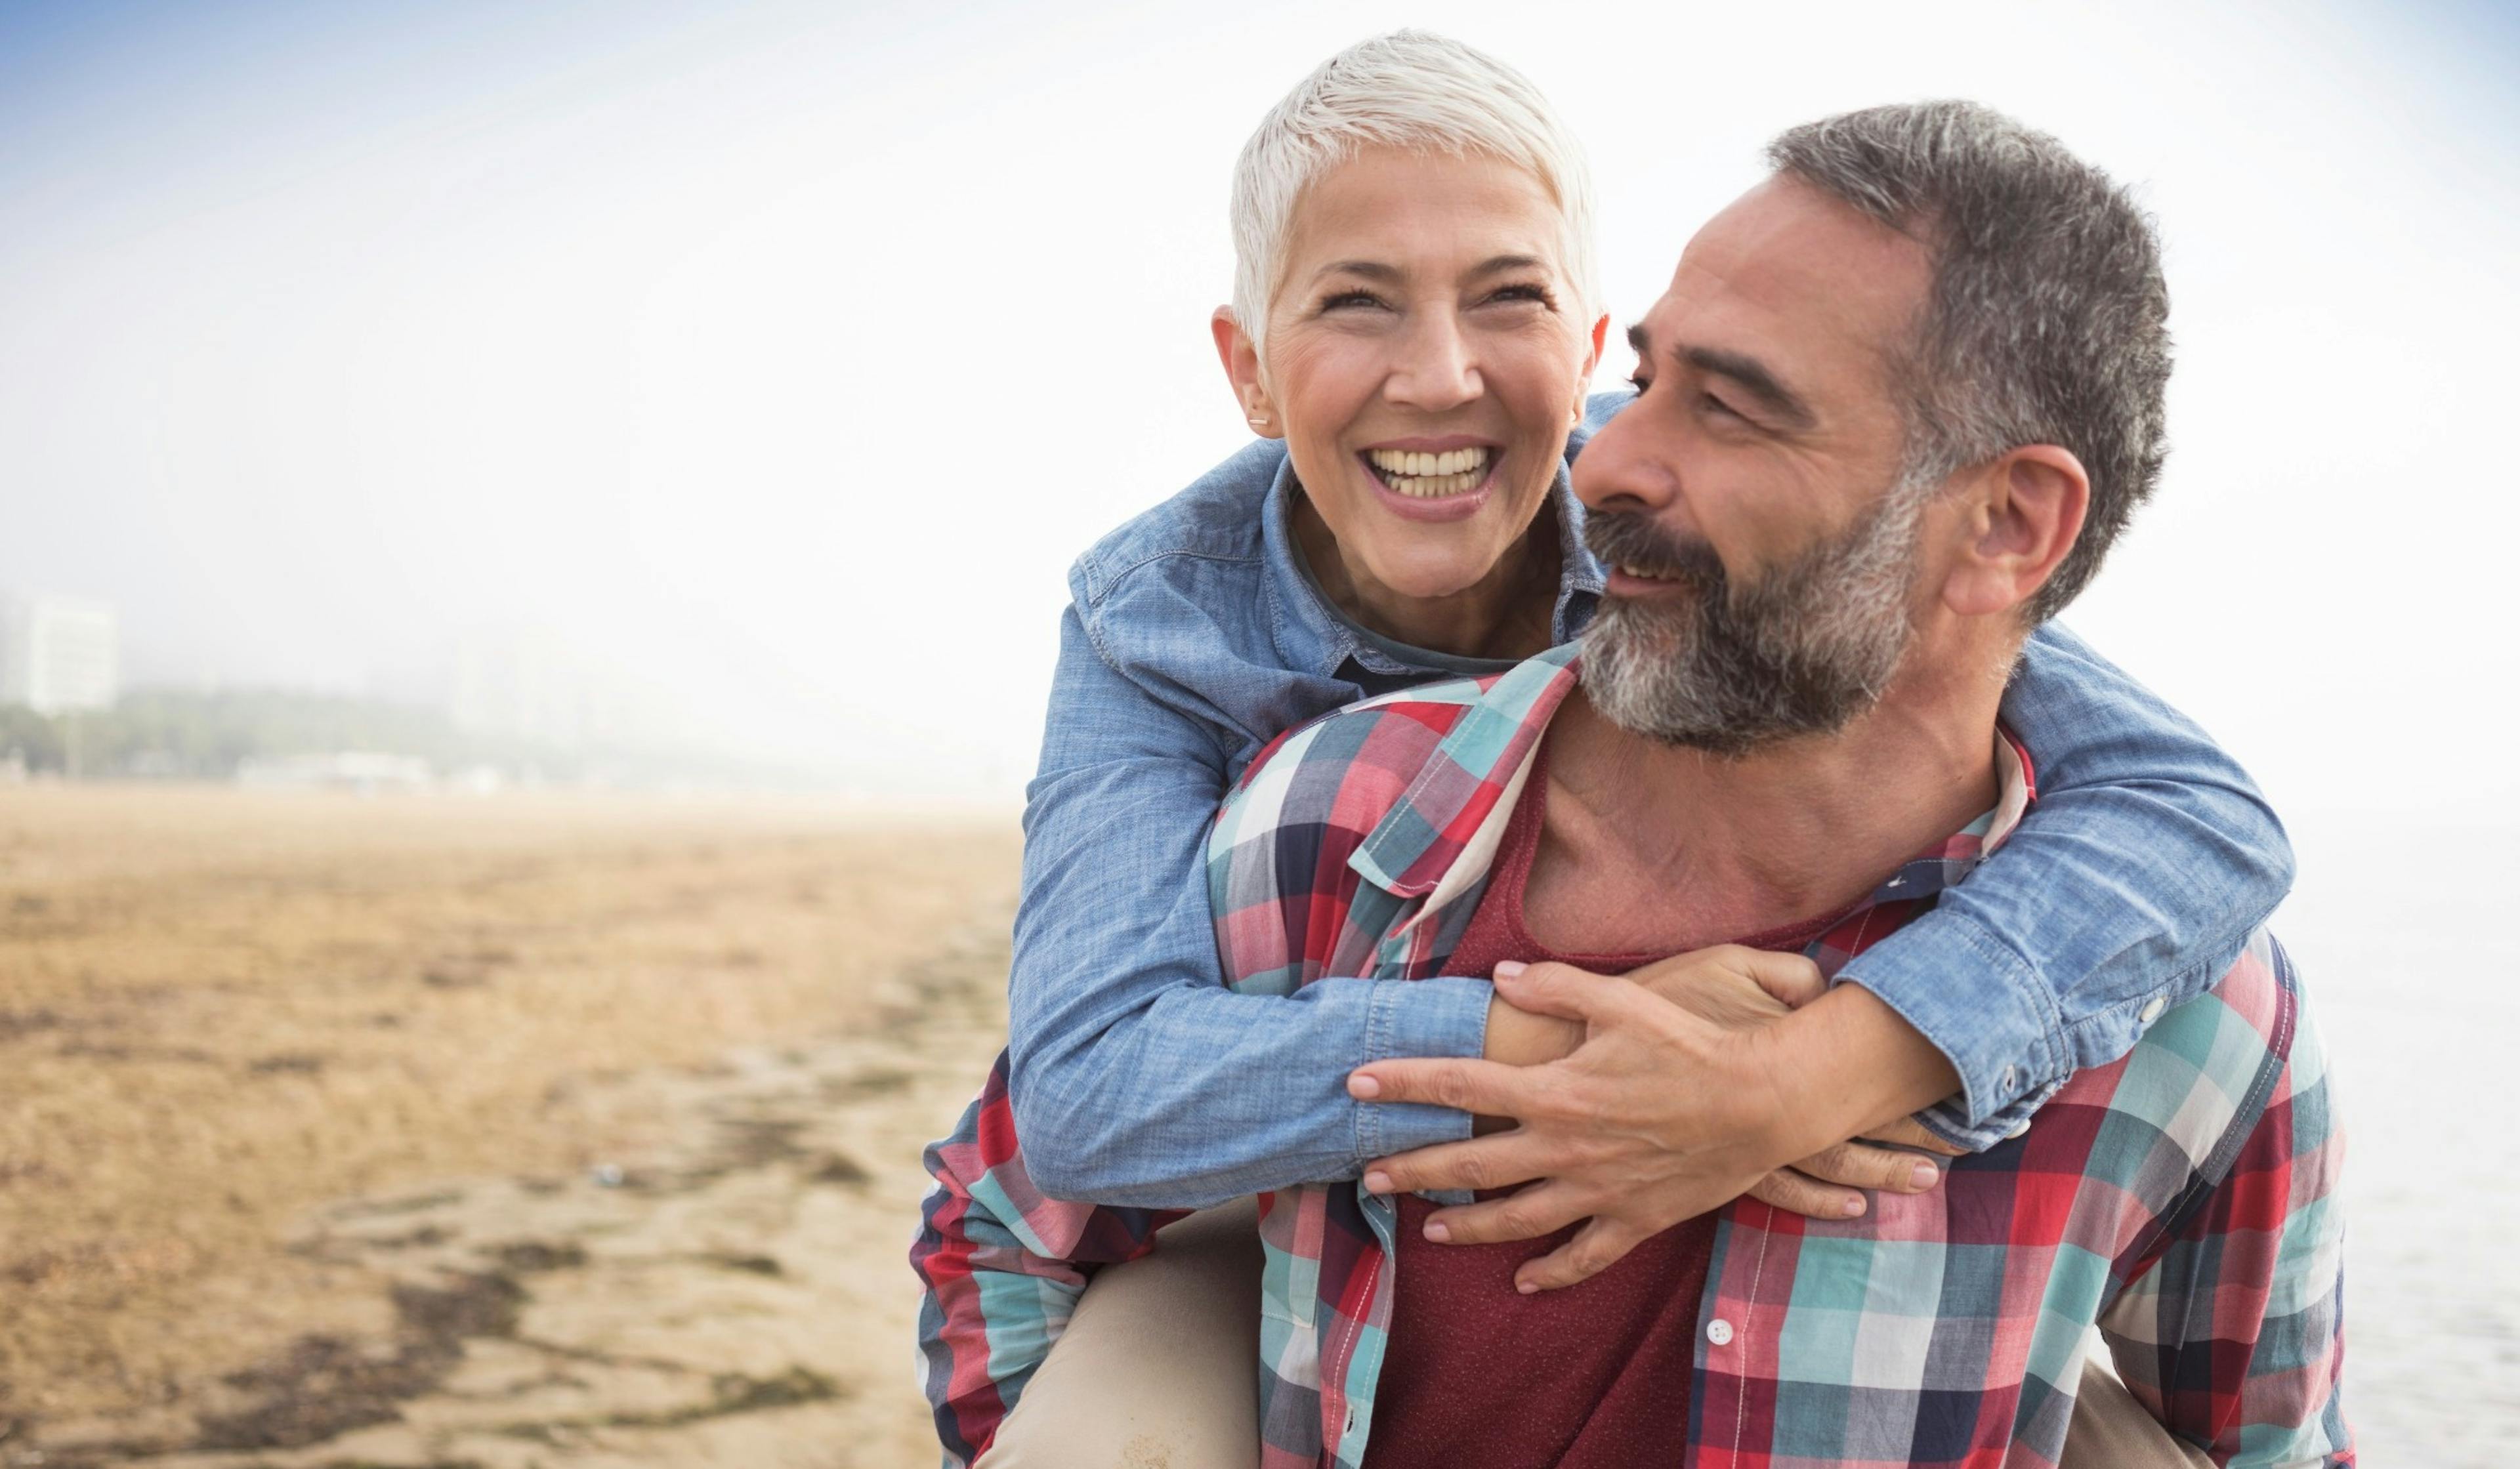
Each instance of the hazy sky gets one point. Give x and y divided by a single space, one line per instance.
783 355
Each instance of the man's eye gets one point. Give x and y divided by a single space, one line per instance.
1714 404
1640 381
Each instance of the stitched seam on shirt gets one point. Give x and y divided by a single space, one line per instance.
1740 1380
1369 1122
1112 583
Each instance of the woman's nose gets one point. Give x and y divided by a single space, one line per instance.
1436 370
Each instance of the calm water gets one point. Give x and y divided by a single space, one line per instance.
2412 964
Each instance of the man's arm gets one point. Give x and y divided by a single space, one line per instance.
1001 1266
2128 888
2230 1329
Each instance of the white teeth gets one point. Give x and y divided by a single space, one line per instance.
1430 476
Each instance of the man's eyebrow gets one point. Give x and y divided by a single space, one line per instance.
1748 373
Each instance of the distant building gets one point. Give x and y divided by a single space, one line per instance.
58 653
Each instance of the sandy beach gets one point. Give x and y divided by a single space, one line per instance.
425 1132
428 1131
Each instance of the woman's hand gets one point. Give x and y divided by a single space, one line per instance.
1678 1099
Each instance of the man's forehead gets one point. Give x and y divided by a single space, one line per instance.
1791 274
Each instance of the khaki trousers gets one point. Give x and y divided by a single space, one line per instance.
1156 1372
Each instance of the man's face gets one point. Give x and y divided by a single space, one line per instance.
1763 550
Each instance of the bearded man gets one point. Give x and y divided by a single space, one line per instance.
1894 407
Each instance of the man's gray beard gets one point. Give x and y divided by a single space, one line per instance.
1800 650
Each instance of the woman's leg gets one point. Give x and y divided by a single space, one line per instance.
2112 1431
1160 1368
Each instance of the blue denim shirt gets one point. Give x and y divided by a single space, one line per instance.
1194 637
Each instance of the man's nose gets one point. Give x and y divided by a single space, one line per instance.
1437 368
1615 469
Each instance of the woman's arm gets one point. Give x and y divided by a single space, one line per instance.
2129 886
1138 1077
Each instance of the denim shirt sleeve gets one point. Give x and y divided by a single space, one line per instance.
2130 887
1138 1077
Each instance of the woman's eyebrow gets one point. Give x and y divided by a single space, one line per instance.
1376 270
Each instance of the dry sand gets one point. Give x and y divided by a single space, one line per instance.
557 1130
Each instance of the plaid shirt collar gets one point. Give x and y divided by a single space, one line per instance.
1437 841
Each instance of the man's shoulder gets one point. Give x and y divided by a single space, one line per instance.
2206 1073
1350 766
1215 521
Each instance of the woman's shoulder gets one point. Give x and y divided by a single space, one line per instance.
1215 520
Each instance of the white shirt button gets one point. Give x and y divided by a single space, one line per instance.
2151 1011
1719 1331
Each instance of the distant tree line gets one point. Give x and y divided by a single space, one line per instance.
208 736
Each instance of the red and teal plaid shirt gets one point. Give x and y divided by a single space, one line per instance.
2181 1198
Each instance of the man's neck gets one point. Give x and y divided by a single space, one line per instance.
1648 848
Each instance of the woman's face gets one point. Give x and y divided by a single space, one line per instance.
1426 357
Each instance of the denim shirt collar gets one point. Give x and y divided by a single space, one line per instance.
1314 638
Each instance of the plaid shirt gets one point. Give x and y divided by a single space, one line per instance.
2183 1198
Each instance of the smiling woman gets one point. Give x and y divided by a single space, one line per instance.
1426 364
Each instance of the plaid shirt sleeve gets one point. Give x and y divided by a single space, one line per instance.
2230 1327
1002 1267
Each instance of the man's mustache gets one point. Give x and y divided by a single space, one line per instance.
1623 538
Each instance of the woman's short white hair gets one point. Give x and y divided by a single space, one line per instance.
1412 90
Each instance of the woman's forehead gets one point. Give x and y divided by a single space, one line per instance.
1415 211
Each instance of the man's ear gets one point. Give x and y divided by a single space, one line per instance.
1242 362
2027 513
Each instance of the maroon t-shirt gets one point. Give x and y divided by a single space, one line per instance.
1594 1376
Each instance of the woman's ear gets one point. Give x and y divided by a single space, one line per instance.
1600 334
2030 509
1241 361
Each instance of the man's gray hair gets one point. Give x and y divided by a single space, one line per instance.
1411 90
2048 319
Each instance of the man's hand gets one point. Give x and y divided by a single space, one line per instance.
1688 1089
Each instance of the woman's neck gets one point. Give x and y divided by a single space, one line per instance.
1508 613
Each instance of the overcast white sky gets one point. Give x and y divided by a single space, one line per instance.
785 354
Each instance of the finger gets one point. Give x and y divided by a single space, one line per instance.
1596 1247
1858 1165
1795 1194
1527 1215
1793 980
1908 1131
1487 1088
1499 1161
1562 991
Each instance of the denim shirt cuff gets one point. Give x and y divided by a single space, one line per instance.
1987 1010
1411 1018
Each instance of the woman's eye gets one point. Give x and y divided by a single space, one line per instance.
1524 292
1347 299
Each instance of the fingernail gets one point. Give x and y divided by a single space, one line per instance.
1851 1208
1926 1176
1510 969
1525 1288
1362 1086
1378 1181
1437 1230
